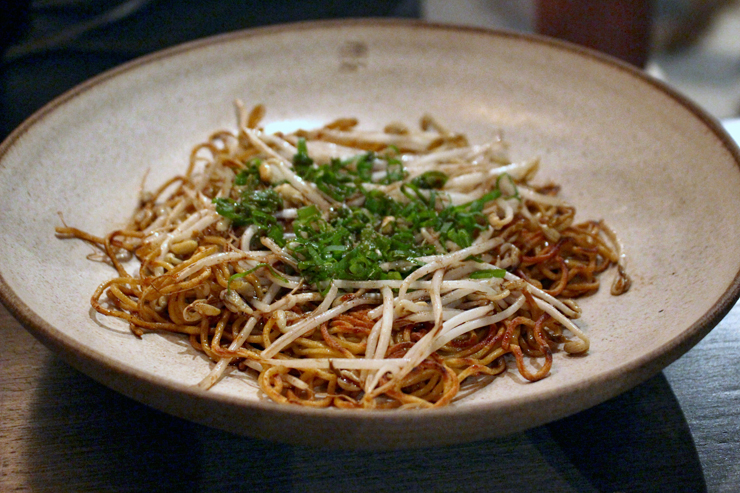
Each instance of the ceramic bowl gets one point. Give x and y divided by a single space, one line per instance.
625 148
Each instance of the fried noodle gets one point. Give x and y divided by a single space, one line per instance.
358 269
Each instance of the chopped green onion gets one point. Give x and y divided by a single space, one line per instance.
351 242
430 179
239 275
488 273
511 184
301 161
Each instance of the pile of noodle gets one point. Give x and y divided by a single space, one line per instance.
408 343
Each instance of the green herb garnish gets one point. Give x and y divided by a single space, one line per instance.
488 274
239 275
430 179
353 242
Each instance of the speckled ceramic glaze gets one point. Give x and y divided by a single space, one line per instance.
624 147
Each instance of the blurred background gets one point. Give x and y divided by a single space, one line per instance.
694 44
49 46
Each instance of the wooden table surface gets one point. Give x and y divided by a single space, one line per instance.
62 431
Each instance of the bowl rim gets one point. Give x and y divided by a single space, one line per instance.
102 368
